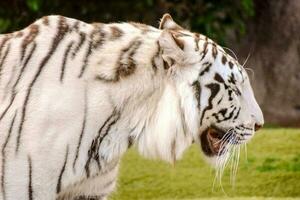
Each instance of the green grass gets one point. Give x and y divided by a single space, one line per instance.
272 169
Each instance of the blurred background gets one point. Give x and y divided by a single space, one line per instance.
266 31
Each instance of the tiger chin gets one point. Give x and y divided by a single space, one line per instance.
75 96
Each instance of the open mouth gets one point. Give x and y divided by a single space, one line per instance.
212 141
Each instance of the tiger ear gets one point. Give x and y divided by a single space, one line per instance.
167 22
172 48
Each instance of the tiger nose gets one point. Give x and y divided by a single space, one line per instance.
257 127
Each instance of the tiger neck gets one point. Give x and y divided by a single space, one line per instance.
165 134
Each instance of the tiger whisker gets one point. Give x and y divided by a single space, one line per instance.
224 138
231 164
248 56
222 161
231 52
229 153
237 161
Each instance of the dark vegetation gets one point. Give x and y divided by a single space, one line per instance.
210 17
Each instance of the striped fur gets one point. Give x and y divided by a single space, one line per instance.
75 96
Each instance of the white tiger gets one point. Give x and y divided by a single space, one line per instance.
75 96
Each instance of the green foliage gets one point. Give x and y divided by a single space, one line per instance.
33 5
271 169
210 17
274 164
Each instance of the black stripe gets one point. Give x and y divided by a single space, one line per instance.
197 92
30 188
166 65
19 34
90 155
224 59
116 32
214 88
58 186
196 39
178 42
216 116
4 156
205 50
11 77
230 115
184 126
102 138
156 55
33 32
82 129
7 108
108 129
237 114
76 25
3 42
214 50
230 92
17 81
25 65
78 47
131 139
65 61
86 57
219 78
143 27
96 40
223 113
45 20
127 68
62 29
250 129
230 64
4 58
206 69
154 66
232 79
220 100
94 148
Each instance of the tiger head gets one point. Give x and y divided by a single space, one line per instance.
215 85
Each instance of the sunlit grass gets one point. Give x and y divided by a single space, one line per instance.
272 169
